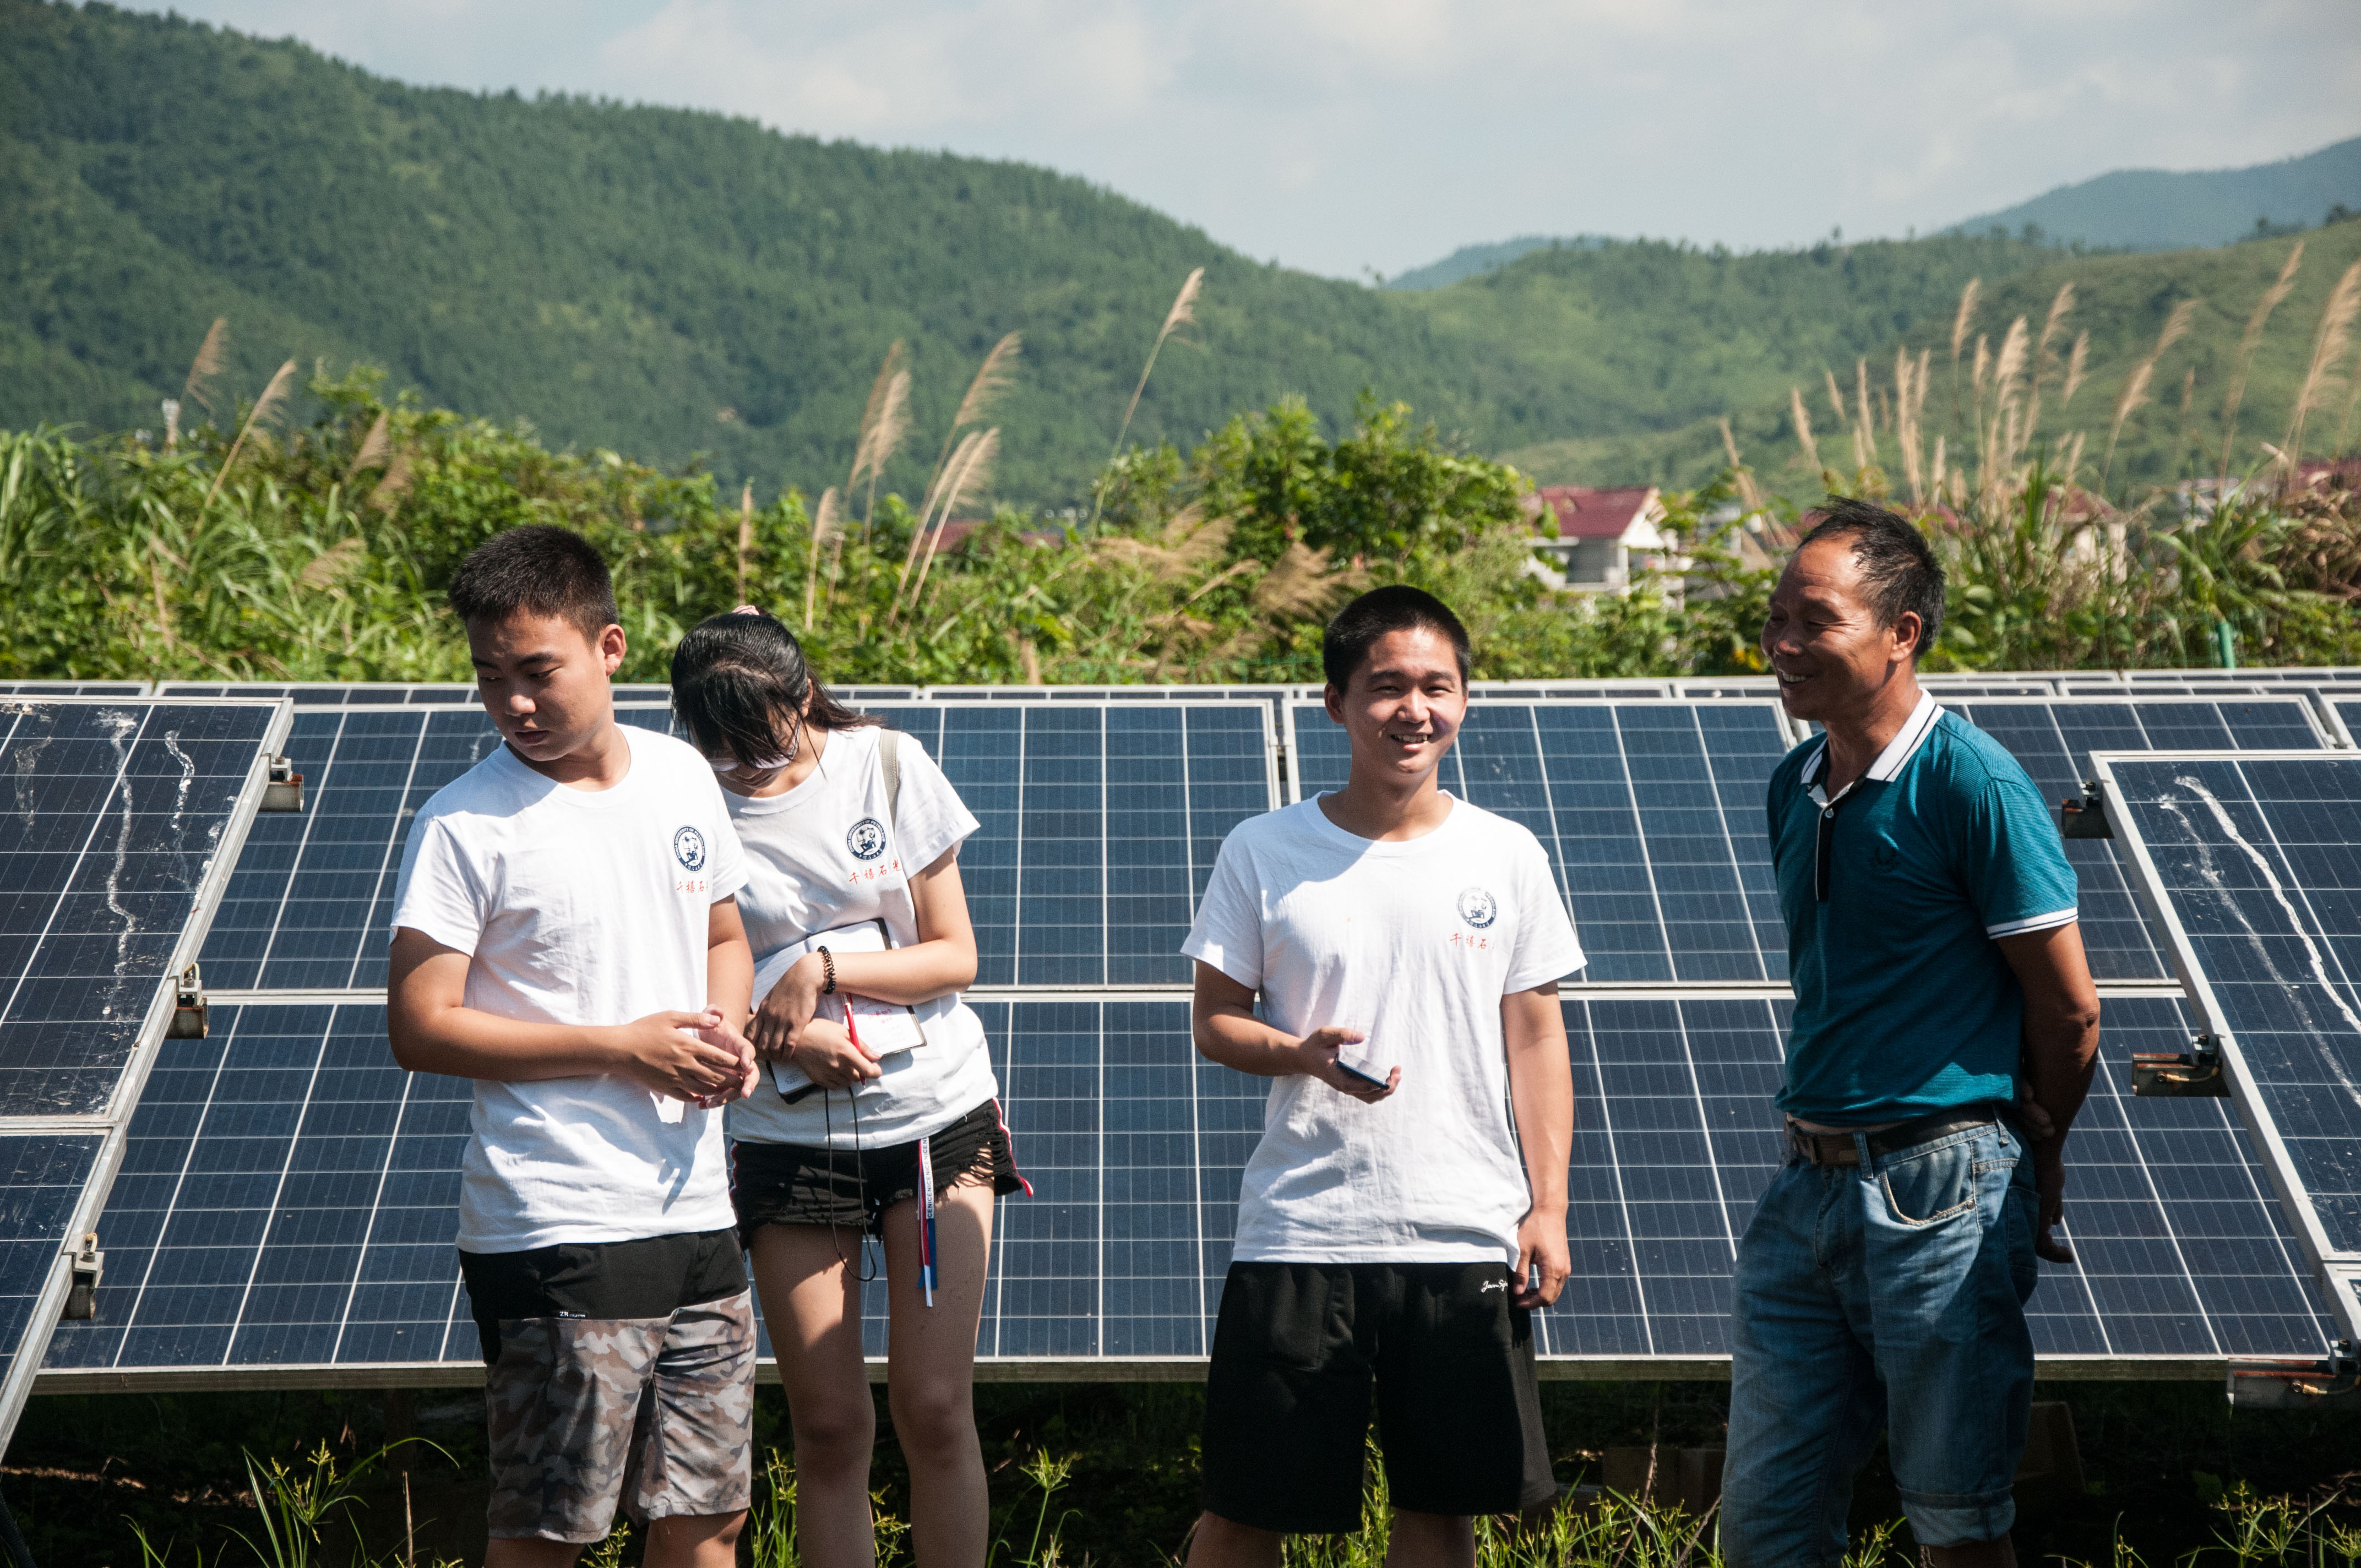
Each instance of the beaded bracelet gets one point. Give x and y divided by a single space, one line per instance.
828 970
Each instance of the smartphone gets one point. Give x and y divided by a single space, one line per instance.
1349 1070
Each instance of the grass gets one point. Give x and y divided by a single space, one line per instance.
1107 1475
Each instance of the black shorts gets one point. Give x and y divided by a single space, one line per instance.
652 1277
792 1184
1286 1403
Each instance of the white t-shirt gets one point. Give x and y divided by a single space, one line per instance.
583 907
1415 942
827 853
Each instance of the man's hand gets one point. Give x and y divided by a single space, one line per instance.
674 1054
1317 1054
788 1008
826 1055
1541 1242
2049 1181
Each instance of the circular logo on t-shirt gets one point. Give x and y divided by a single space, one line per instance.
866 838
688 848
1478 908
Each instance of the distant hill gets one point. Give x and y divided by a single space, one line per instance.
674 284
2152 209
1475 261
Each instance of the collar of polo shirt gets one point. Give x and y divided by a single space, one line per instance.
1898 750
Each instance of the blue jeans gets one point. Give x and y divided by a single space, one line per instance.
1888 1295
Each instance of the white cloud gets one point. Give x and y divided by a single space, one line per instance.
1340 134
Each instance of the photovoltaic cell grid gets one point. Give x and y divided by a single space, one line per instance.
1098 825
308 900
2179 1251
2255 861
2053 741
42 1176
289 1196
114 816
1652 814
2346 712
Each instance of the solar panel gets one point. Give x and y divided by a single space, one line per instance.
372 694
116 819
2253 864
289 1198
119 825
2344 717
73 688
2218 685
308 903
1098 825
2295 675
2179 1252
1530 691
45 1204
1650 812
2053 740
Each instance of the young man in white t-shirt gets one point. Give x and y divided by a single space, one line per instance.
1405 1207
566 934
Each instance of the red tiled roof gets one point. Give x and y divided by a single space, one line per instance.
956 532
1592 514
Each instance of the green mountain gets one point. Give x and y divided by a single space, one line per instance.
2154 209
674 284
1475 261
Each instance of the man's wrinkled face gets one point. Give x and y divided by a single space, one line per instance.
1404 706
544 682
1823 636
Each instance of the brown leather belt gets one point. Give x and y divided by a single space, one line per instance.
1838 1148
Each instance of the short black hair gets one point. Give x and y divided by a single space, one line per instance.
1395 607
738 681
1898 571
537 569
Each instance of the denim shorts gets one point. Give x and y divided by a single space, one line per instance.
1888 1296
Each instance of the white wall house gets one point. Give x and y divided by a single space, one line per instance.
1603 536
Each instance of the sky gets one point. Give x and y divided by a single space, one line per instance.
1351 137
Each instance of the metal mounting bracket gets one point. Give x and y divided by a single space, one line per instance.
89 1267
188 1007
2292 1384
284 791
2195 1073
2086 817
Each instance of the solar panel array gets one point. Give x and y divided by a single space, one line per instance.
289 1196
116 832
1652 814
2255 865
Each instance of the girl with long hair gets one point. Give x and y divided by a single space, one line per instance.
877 1112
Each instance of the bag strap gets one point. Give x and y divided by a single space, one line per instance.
889 758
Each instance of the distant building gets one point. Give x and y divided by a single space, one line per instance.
1603 536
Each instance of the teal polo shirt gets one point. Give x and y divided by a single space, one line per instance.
1903 1003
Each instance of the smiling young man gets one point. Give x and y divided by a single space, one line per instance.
566 934
1405 1207
1938 975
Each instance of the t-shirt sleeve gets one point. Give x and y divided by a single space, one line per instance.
2013 864
1547 948
1227 933
928 815
443 892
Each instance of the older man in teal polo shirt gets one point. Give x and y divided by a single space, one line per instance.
1944 1033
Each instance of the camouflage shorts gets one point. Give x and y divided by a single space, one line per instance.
654 1412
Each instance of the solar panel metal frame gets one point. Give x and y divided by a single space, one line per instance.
113 1127
316 694
2336 719
38 691
2340 1272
